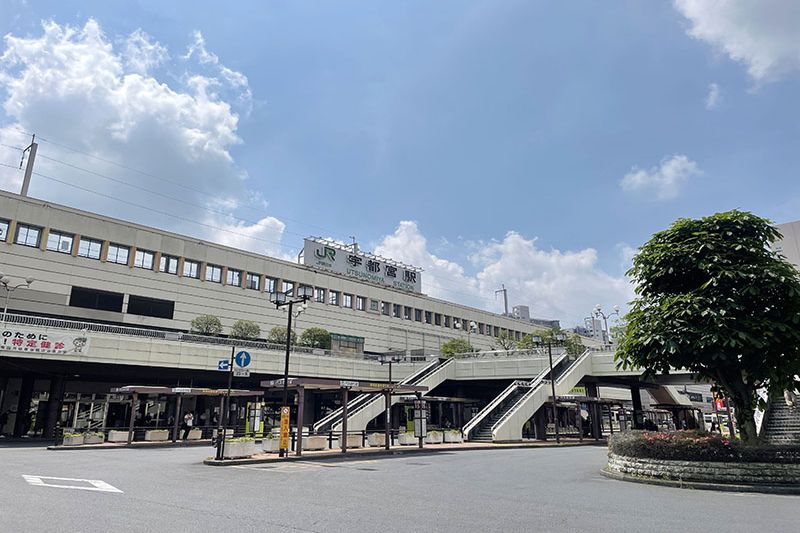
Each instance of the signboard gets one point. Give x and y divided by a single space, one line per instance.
16 339
420 418
242 359
284 441
223 364
348 384
329 255
577 391
241 372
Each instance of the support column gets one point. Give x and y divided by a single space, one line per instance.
55 396
387 401
596 412
134 401
176 423
343 438
23 406
638 415
301 393
540 423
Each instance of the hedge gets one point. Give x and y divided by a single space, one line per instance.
697 446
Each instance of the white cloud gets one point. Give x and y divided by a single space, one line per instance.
664 180
555 284
72 86
763 35
714 96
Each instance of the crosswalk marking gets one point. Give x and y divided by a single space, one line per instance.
95 485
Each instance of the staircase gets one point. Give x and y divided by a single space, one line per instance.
782 423
482 432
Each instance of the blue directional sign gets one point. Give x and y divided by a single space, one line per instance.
242 359
223 364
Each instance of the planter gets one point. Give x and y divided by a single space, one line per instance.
407 439
376 439
116 435
237 449
271 445
76 440
354 441
315 442
453 436
95 439
195 434
434 437
156 435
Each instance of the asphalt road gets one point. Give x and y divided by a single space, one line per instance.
509 490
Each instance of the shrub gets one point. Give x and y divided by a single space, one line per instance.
206 325
454 347
697 446
277 335
245 329
316 338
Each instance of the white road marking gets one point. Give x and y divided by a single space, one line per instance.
94 484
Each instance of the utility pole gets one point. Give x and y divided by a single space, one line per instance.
26 181
505 297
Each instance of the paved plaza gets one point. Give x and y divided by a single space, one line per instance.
545 489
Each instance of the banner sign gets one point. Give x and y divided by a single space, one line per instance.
16 339
284 443
329 255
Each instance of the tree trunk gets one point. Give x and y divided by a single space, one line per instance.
745 421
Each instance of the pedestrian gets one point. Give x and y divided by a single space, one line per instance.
791 399
3 420
188 421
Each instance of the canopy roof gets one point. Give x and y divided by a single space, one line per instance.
337 384
183 391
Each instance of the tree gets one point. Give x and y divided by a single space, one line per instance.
315 338
206 325
713 298
245 329
455 346
506 341
277 335
573 344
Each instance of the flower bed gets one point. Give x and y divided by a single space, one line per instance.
697 446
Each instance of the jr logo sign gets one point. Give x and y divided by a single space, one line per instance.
326 253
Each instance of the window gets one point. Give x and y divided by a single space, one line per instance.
234 277
28 235
407 313
347 301
374 306
361 303
214 273
118 254
90 248
397 310
428 317
333 297
139 305
271 284
418 315
191 269
385 307
437 319
496 331
480 328
319 295
253 281
144 259
94 299
60 242
446 321
4 230
517 336
288 288
169 264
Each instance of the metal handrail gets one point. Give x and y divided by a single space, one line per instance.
469 426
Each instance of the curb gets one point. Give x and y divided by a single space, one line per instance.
703 485
336 456
122 446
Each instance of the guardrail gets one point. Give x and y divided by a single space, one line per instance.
475 420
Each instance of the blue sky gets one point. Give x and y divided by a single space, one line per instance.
535 144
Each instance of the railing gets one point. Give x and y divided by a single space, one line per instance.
487 354
478 418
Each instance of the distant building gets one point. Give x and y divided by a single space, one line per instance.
523 312
594 329
789 245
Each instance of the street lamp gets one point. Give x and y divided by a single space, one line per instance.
5 283
389 359
281 301
598 312
472 327
558 338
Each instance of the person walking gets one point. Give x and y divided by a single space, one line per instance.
188 422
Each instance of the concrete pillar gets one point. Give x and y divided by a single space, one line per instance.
23 405
540 424
638 415
596 411
301 393
55 396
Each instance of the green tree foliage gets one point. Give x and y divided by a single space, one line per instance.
277 335
573 343
206 325
316 338
245 329
714 299
455 346
505 341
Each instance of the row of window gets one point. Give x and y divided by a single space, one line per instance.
57 241
112 301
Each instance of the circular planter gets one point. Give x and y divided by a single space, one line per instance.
710 474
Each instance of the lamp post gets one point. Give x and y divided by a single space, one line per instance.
282 301
598 312
389 359
558 338
5 282
470 328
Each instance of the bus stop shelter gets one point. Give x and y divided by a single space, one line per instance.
135 390
345 386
